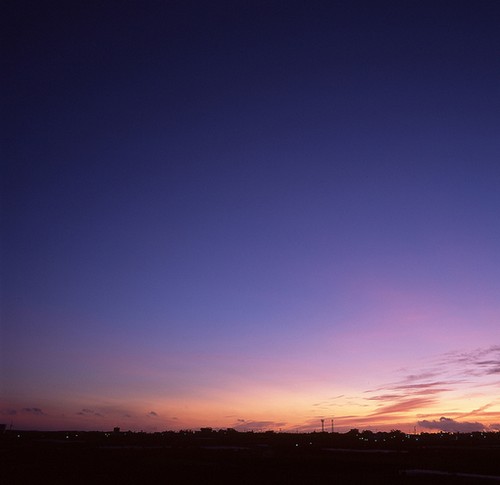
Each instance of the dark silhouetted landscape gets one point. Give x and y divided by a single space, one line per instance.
230 457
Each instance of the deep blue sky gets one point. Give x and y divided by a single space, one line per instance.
243 175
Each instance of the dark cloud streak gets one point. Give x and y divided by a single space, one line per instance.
34 411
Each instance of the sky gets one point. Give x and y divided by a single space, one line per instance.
251 215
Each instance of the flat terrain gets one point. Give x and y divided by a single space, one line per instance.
243 458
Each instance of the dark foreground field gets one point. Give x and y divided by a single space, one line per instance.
259 459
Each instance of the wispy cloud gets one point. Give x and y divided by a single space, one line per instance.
404 397
478 362
477 411
449 372
443 382
426 387
384 397
89 412
243 425
404 405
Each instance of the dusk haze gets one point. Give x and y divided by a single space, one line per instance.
250 214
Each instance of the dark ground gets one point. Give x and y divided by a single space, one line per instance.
260 458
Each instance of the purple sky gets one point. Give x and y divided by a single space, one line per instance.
251 214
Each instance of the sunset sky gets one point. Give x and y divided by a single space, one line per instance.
251 214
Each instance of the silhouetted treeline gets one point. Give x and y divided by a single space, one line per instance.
354 438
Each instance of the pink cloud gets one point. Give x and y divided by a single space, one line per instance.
405 406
